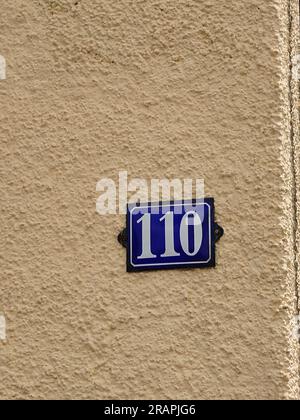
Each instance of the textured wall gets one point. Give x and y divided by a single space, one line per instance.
161 88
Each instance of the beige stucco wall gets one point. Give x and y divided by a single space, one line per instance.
169 88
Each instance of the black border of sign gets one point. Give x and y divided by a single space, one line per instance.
210 264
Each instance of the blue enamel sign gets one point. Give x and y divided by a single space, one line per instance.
171 235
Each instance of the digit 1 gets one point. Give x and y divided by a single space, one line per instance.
169 235
146 237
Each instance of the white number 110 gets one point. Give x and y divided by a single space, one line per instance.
170 251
